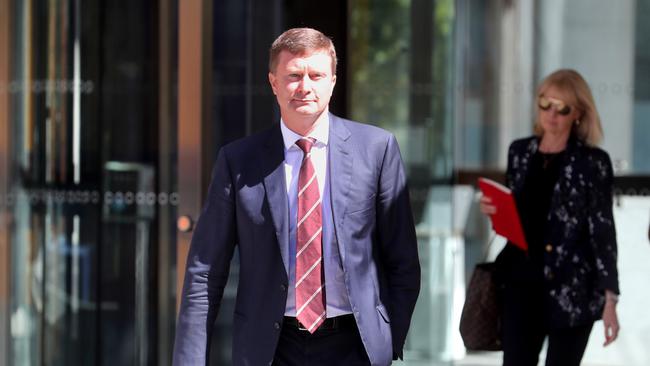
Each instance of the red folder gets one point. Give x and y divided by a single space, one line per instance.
505 221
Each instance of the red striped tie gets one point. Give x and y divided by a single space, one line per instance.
310 283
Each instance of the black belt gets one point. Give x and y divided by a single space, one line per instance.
338 322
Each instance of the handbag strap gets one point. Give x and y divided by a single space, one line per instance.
487 250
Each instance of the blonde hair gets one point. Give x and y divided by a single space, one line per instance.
299 41
576 93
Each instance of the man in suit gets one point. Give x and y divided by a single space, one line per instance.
319 211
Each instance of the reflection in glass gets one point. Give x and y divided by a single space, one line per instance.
400 69
84 128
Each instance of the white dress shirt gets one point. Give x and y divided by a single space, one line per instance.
335 290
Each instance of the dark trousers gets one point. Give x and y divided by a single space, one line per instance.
326 347
524 327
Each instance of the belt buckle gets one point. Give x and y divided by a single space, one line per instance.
300 326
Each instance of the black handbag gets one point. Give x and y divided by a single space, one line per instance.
480 321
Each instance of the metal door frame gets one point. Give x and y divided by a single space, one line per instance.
5 222
194 127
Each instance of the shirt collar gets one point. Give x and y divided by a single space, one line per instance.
320 133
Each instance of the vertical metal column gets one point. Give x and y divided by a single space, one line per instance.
141 295
5 224
194 153
166 178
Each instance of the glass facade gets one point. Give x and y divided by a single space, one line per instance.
87 189
95 145
400 57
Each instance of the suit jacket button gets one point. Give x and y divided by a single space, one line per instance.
276 326
283 287
549 248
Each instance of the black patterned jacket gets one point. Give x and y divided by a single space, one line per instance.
580 250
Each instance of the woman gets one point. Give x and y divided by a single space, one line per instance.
562 184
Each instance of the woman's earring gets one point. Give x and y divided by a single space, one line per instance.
577 122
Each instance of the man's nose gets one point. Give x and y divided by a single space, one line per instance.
305 84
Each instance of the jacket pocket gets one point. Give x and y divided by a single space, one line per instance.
382 311
361 206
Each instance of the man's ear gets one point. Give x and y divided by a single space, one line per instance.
272 81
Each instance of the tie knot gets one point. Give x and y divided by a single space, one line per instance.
305 144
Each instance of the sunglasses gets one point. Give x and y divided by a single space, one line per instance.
560 107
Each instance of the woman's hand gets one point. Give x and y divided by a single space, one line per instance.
486 206
610 320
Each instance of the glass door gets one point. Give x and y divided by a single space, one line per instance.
400 77
90 183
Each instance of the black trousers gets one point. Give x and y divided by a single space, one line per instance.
524 328
326 347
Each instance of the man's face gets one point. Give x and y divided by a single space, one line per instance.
303 84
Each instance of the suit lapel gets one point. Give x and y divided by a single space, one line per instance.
340 160
276 192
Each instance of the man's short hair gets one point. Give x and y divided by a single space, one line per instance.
299 41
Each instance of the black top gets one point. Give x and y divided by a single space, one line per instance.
534 203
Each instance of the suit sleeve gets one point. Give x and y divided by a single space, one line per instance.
602 232
398 244
207 269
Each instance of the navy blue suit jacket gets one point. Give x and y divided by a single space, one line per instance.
247 209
